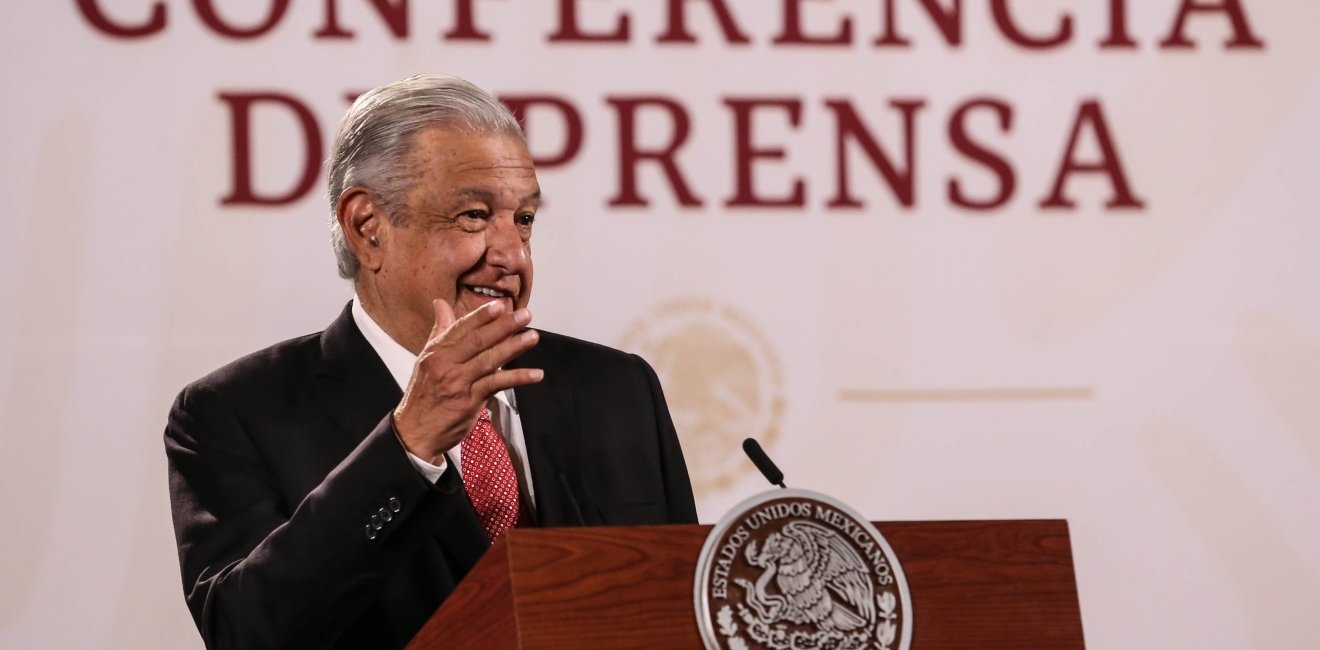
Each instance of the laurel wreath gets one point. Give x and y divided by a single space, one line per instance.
725 620
886 630
777 637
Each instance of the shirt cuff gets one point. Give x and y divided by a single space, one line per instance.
431 472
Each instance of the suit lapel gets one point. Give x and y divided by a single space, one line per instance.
550 429
356 389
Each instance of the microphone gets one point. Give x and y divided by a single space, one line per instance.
763 462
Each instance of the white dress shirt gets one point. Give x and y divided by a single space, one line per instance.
503 408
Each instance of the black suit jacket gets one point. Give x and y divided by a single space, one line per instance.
279 461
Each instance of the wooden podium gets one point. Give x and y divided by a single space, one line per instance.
974 584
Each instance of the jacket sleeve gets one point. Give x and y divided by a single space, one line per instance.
257 575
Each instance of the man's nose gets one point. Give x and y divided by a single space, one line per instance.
505 246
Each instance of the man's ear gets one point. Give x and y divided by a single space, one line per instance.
360 217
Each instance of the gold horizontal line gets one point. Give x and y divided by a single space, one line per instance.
1022 394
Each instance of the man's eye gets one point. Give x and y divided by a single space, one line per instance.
475 214
525 219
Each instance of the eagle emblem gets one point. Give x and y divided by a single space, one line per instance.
818 579
794 569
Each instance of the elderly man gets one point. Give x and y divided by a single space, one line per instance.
331 490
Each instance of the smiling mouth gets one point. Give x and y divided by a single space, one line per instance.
488 291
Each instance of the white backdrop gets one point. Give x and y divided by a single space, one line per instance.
1148 374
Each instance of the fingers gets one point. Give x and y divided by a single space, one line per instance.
460 360
494 358
506 379
444 317
482 329
498 379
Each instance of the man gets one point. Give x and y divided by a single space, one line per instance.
331 490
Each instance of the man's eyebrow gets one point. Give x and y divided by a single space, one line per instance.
486 196
474 193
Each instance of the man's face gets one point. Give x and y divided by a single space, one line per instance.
465 236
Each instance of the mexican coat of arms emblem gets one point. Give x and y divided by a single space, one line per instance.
795 570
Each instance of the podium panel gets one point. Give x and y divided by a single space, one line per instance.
990 584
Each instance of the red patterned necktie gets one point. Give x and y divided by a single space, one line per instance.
489 477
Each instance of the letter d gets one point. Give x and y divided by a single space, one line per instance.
240 112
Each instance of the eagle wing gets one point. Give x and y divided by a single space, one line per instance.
839 568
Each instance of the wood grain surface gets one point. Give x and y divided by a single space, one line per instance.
974 584
480 614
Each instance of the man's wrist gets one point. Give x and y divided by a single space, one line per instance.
431 468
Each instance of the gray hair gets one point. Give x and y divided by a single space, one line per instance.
375 141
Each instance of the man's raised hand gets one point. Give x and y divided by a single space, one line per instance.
459 368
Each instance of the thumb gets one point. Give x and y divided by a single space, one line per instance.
444 316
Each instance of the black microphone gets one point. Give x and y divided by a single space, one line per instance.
763 462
